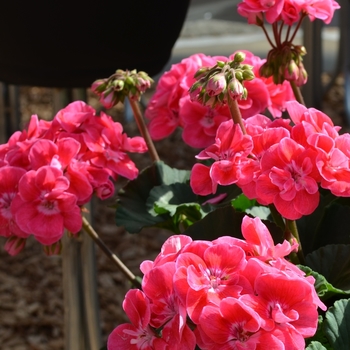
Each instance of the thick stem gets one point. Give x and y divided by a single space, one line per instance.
297 93
236 113
127 273
292 232
143 130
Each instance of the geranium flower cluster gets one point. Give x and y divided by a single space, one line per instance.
50 170
278 163
171 106
228 293
284 60
288 11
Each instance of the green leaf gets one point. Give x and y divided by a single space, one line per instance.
333 262
221 222
315 345
332 215
166 198
324 289
132 209
337 325
242 203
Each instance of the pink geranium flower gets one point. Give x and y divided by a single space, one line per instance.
43 207
229 153
9 179
167 310
234 325
293 314
289 179
200 123
138 335
200 282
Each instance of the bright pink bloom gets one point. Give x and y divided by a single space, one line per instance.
291 12
309 121
200 282
260 242
9 179
230 153
200 123
166 308
109 148
321 9
74 115
138 335
163 110
234 325
258 98
294 314
43 207
253 8
289 179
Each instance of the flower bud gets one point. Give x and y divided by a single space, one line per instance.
216 84
248 74
302 78
291 72
14 245
201 72
239 57
99 86
235 89
53 249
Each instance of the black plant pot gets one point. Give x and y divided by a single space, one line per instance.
70 43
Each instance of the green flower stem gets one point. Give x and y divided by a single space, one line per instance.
290 233
127 273
297 93
143 130
277 217
236 113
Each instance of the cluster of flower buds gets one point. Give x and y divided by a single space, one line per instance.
285 63
224 80
121 84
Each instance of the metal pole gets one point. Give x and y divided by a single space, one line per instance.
81 310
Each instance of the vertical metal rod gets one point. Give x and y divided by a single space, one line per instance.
82 329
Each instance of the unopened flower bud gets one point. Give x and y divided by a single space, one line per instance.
14 245
118 85
53 249
99 86
239 57
291 72
201 72
216 84
235 89
109 99
248 74
302 78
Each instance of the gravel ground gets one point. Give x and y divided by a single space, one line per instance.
31 298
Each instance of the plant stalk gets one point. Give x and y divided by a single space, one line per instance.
143 130
297 93
236 113
292 232
127 273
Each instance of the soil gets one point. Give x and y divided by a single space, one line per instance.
31 298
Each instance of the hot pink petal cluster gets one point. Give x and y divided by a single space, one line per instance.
278 162
228 293
171 106
288 11
51 169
